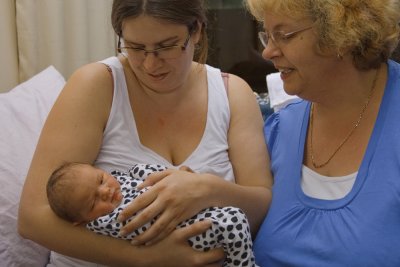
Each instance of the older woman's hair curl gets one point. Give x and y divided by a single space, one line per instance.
367 29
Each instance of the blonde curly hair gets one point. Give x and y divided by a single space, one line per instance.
368 29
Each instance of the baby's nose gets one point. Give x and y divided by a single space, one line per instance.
104 192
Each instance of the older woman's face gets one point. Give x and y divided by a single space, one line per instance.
292 49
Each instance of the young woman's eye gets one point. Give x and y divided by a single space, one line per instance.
166 48
135 48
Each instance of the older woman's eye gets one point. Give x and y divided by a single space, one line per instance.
276 36
282 36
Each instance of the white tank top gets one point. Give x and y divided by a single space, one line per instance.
324 187
121 146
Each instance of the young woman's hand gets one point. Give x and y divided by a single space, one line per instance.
174 196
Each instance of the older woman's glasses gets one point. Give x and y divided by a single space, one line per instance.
278 37
165 52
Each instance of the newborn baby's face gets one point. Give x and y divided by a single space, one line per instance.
102 193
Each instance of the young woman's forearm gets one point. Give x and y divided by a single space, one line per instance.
78 242
253 200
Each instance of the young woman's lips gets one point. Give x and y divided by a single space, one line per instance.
158 76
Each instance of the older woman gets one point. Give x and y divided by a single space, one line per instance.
335 154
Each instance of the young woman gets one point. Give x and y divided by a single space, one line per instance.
152 104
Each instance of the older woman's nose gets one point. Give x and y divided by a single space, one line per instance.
271 51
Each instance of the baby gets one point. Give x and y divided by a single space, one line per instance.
81 193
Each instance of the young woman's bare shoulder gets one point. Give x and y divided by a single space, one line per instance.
88 91
239 91
93 74
92 80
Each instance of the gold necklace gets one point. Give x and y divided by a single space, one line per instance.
360 116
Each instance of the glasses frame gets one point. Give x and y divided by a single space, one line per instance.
265 36
154 51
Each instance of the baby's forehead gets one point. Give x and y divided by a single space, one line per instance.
82 180
85 170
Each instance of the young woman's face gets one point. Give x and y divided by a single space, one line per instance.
295 56
98 193
155 72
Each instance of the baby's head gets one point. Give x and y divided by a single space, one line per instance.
80 193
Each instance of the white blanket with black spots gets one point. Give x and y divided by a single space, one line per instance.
230 228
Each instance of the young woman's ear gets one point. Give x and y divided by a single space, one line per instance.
197 32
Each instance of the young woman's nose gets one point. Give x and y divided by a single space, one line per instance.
151 62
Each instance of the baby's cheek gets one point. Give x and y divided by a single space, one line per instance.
106 208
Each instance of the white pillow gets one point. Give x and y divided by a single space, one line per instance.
23 111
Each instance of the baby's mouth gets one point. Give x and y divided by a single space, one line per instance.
116 196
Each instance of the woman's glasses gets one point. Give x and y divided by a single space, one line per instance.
165 52
278 37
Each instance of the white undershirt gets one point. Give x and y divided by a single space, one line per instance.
324 187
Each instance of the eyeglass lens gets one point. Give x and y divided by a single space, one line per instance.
163 53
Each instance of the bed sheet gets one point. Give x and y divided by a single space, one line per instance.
23 111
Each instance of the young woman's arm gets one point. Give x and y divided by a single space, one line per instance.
248 154
73 132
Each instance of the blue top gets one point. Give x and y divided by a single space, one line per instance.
363 228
